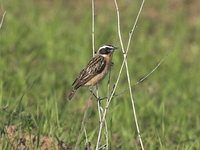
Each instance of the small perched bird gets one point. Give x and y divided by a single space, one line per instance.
96 69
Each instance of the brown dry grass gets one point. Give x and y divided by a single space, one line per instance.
19 140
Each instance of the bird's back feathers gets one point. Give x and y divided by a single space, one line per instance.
94 67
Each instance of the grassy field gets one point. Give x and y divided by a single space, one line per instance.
44 45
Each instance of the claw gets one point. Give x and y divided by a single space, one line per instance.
100 99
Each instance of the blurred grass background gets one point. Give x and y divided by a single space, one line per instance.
44 45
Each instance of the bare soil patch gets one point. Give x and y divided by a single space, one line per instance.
11 137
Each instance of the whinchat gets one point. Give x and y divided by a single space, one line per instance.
96 69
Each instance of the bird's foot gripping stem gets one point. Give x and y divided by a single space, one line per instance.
97 98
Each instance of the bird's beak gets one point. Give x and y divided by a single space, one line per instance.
115 48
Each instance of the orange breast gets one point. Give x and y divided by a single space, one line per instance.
100 76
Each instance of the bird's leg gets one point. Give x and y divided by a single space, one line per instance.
91 91
97 98
100 99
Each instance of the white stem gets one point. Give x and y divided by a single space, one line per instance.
2 19
106 134
134 26
160 62
126 64
93 49
106 107
117 81
148 74
99 110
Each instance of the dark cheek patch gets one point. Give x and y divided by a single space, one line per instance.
104 51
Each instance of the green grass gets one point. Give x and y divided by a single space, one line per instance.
44 45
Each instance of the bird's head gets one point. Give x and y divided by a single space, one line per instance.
106 50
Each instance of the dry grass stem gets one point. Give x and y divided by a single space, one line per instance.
147 75
2 19
93 49
86 136
93 52
126 64
116 83
100 109
106 135
154 69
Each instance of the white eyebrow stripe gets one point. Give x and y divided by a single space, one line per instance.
105 46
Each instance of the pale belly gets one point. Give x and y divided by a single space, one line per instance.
100 76
97 78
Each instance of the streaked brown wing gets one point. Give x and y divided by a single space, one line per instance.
94 67
75 81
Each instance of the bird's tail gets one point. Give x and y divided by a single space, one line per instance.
72 94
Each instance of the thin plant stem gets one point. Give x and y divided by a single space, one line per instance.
86 137
108 87
99 110
106 135
106 126
116 83
134 26
154 69
147 75
2 19
93 50
106 107
127 70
